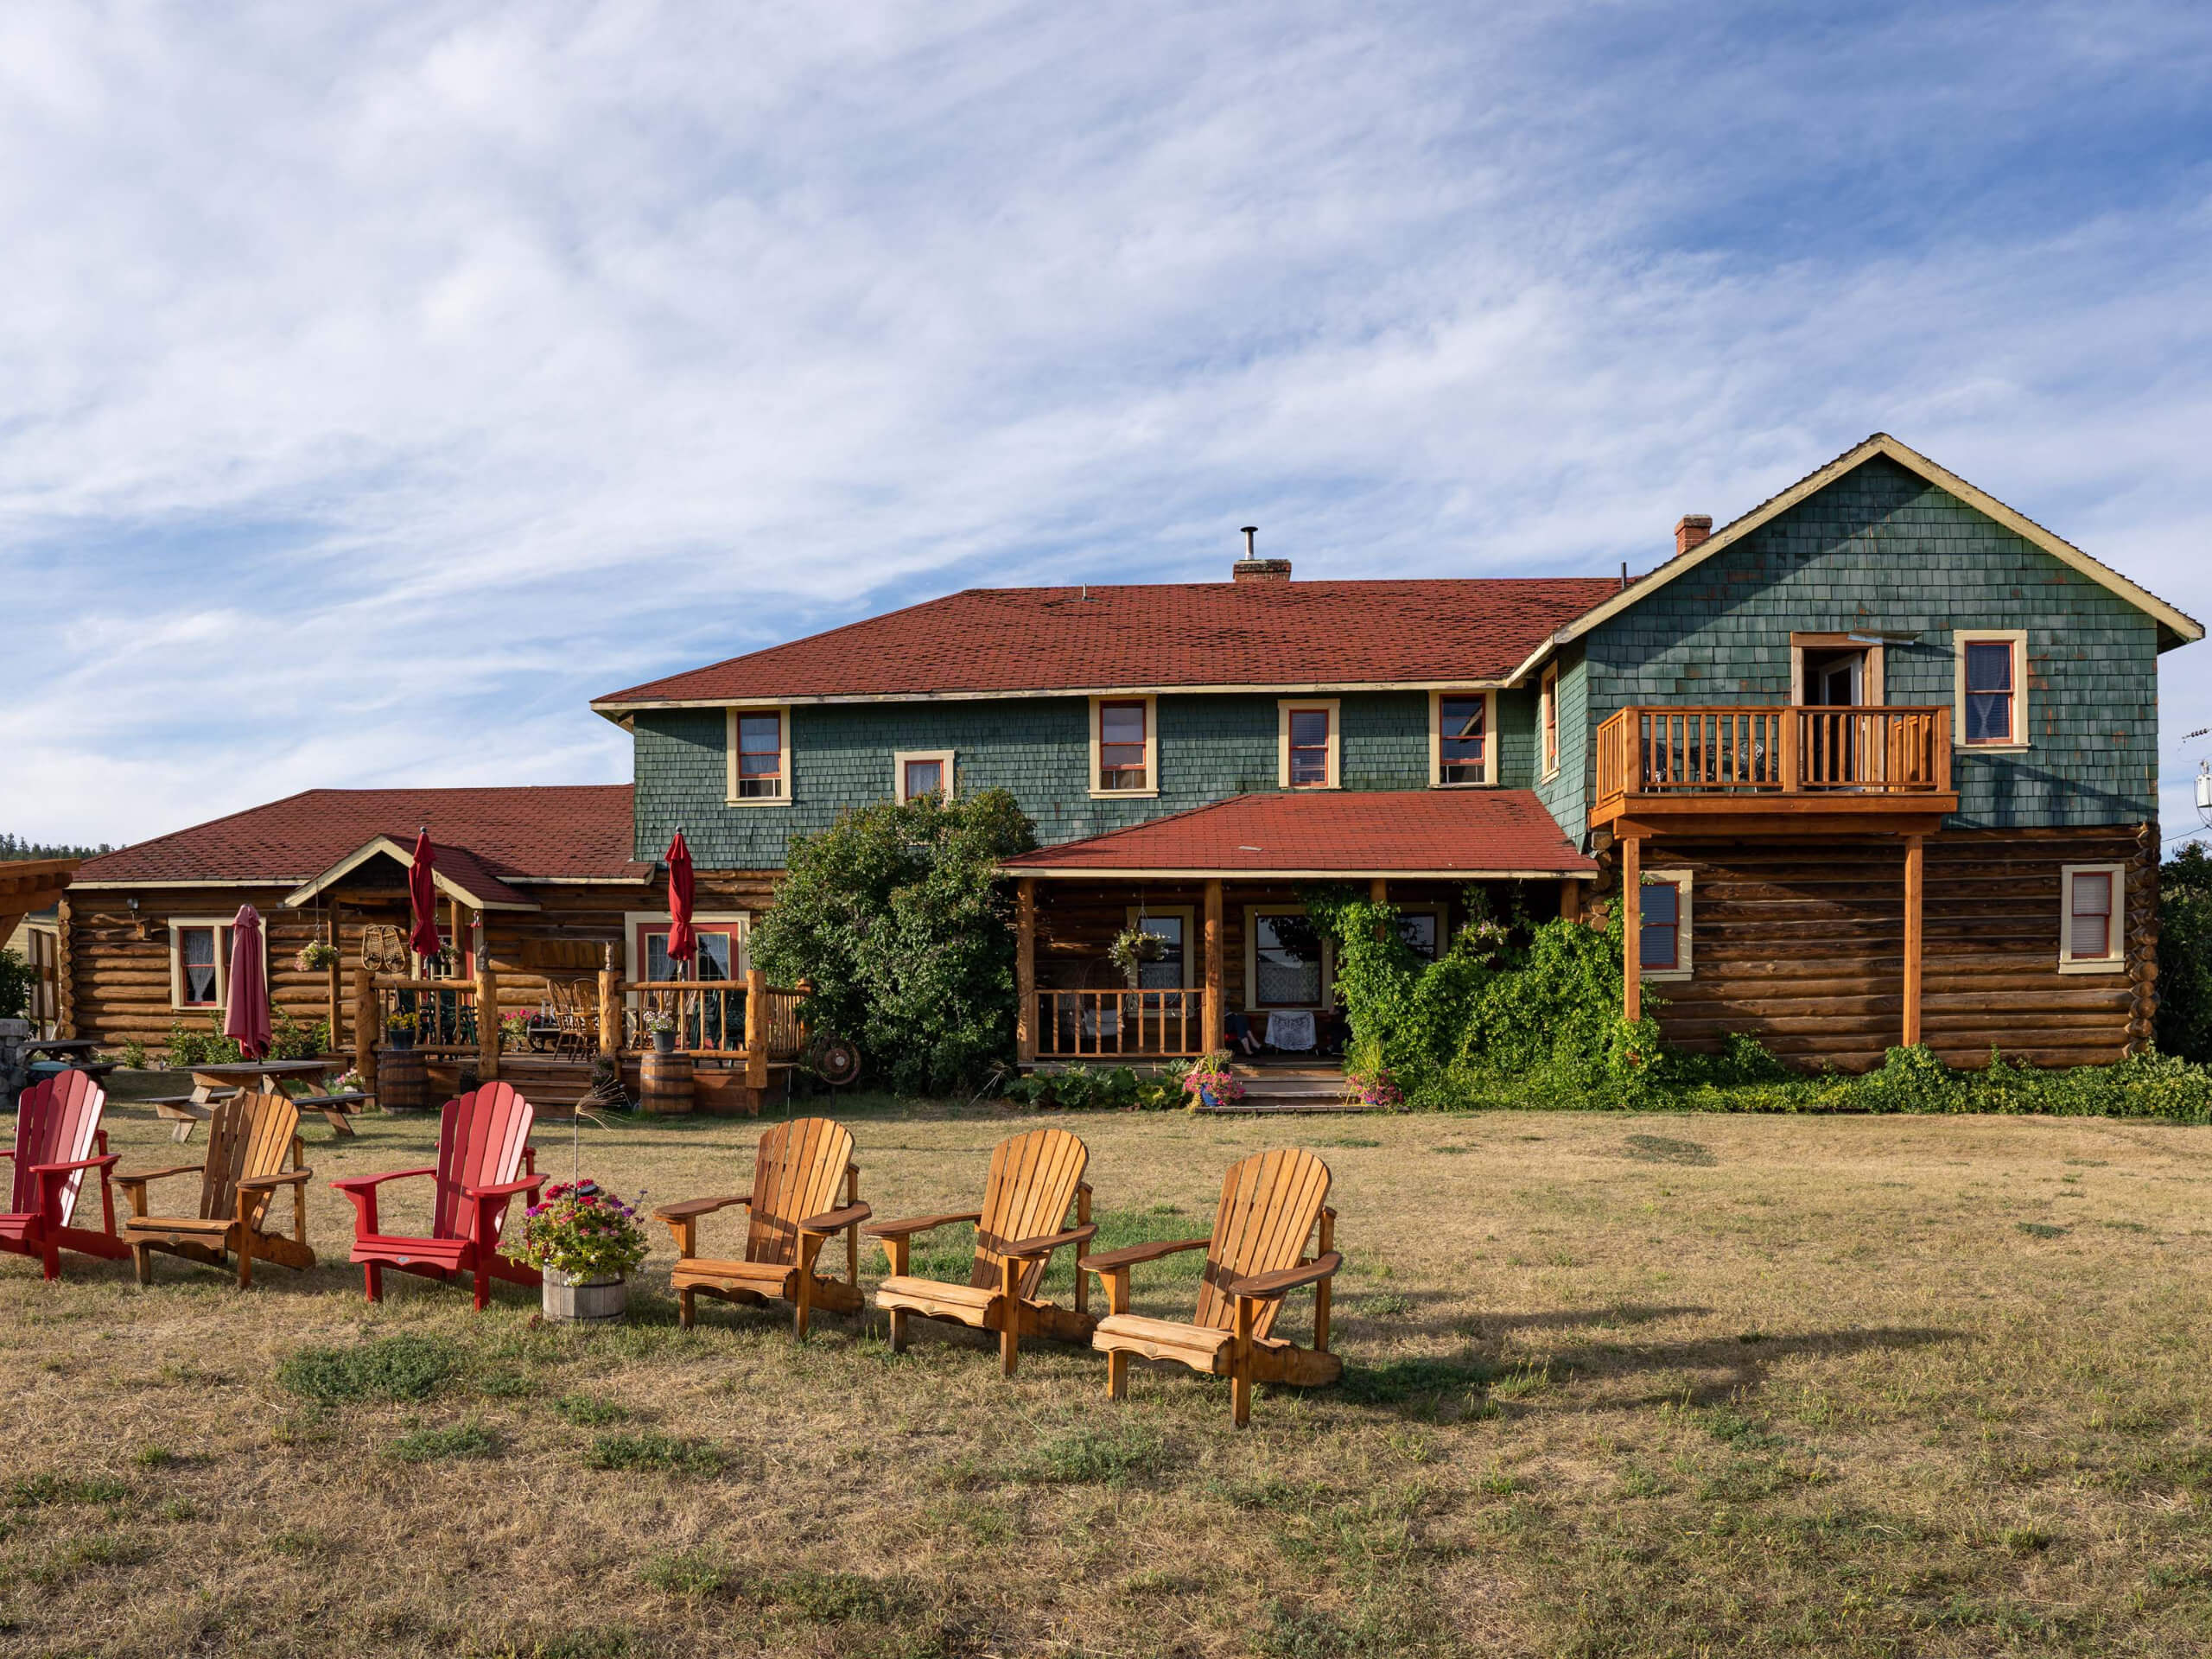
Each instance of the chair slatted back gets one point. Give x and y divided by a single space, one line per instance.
247 1134
799 1171
481 1139
1032 1182
1269 1203
56 1122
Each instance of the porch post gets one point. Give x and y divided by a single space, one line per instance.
610 1013
1213 1009
756 1028
1570 900
1378 891
487 1006
366 1027
1632 928
1025 970
332 986
1914 882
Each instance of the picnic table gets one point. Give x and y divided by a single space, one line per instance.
218 1082
62 1048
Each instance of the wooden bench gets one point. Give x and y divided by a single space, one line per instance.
181 1112
336 1110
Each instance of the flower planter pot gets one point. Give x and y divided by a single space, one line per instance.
664 1042
399 1041
567 1300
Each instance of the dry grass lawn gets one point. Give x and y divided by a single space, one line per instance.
1616 1385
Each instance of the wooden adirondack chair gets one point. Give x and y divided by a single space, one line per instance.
1269 1204
796 1177
485 1160
249 1136
57 1125
1033 1178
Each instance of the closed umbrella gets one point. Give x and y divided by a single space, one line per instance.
423 899
682 943
247 1017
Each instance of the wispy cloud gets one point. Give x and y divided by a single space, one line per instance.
377 385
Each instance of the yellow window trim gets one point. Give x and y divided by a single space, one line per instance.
899 760
1436 738
783 713
2017 639
1333 706
2115 925
1151 752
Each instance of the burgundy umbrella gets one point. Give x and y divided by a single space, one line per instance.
423 899
247 1017
682 943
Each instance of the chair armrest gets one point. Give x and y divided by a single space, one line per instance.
140 1176
908 1226
505 1189
1267 1286
283 1178
1129 1254
369 1182
832 1221
1051 1242
692 1209
109 1162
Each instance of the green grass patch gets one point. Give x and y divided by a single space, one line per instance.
655 1453
1664 1149
2042 1229
1434 1381
37 1492
444 1444
693 1574
1092 1455
588 1412
388 1368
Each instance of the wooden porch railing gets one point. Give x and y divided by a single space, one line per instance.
443 1010
720 1016
1157 1025
1735 749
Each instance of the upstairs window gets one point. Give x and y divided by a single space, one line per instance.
1309 739
1548 719
2092 913
1664 942
922 772
759 756
1122 747
1991 711
1460 750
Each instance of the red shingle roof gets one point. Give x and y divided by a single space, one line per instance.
1457 833
1008 640
581 830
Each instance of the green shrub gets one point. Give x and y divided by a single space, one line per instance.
190 1047
2185 955
895 915
16 983
1119 1088
389 1368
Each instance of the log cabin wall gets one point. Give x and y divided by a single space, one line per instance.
117 983
1801 944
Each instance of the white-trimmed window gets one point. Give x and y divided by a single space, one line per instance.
200 961
1308 742
1286 958
917 772
1462 738
721 946
2093 919
1124 746
1548 721
1663 930
759 738
1990 694
1422 928
1176 927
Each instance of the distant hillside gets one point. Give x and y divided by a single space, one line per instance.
13 846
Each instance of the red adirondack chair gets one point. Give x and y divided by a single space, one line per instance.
483 1143
57 1125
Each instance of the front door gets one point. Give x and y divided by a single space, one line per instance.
1835 680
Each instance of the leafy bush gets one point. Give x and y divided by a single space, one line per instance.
2185 954
894 915
16 983
189 1047
1115 1088
290 1040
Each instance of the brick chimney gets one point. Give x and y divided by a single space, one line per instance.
1253 567
1691 528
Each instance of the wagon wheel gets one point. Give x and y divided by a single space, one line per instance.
834 1059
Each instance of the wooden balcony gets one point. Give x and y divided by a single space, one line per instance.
1768 769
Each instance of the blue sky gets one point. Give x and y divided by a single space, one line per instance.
378 384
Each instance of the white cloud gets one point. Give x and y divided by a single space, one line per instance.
377 386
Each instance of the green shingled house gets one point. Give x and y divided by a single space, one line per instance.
1875 762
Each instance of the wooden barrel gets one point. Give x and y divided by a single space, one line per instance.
664 1084
402 1080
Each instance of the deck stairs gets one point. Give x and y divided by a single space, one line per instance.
1273 1084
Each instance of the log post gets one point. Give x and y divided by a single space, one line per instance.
1025 970
334 987
610 1013
1215 1011
756 1029
1632 927
1570 900
1914 881
64 969
487 1010
364 1027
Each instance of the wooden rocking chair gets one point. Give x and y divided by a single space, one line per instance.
1033 1178
1269 1204
796 1177
485 1162
57 1125
249 1136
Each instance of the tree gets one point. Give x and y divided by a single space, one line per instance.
2185 954
895 915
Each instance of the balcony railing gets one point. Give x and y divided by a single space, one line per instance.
1153 1025
1757 750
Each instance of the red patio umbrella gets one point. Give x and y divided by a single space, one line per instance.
682 943
247 1016
423 899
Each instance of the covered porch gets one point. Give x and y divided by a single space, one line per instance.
1223 889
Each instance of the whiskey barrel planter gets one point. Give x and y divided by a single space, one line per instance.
664 1085
402 1080
582 1300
